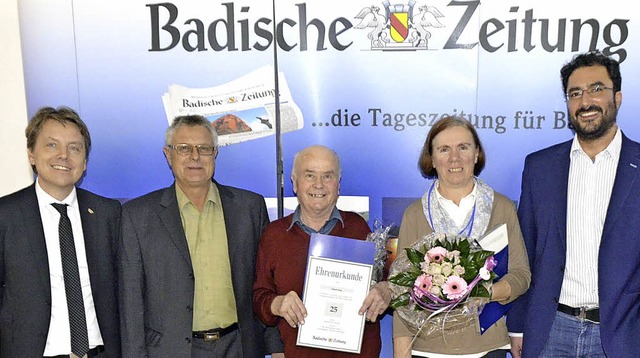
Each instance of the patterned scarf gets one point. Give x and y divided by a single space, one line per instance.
476 221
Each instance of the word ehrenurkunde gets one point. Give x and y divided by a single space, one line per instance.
377 117
339 274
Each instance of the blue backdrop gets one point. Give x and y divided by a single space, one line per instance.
496 63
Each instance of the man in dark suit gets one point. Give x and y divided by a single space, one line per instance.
579 211
35 311
187 259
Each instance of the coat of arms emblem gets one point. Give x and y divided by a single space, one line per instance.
399 27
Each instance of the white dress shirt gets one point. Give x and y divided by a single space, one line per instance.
589 191
59 337
457 213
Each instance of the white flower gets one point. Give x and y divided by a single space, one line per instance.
424 266
484 273
454 256
438 280
458 270
453 253
434 269
446 268
436 290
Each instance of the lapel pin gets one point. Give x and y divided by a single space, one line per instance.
90 211
633 165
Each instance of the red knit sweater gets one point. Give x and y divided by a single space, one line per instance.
280 268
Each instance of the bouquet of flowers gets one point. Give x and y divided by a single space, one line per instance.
442 280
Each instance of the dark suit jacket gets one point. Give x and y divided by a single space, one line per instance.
25 288
157 276
543 214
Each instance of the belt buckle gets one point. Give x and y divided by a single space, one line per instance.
211 336
583 313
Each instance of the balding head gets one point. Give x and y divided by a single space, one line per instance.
314 151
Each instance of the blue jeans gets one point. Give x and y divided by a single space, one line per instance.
572 337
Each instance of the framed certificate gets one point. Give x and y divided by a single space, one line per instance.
338 278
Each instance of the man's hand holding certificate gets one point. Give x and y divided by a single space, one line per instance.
289 307
337 294
377 301
317 288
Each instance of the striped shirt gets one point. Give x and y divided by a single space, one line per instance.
589 190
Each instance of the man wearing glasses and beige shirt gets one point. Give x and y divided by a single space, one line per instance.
187 259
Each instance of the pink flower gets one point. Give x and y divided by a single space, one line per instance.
422 284
437 254
455 287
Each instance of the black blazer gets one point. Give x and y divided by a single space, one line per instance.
25 288
156 296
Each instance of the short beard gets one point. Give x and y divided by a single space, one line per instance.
598 132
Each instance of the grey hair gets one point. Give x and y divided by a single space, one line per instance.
191 120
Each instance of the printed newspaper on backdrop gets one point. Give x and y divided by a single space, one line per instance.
240 110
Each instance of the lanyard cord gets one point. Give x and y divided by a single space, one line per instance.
469 223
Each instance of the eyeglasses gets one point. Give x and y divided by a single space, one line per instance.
596 90
187 149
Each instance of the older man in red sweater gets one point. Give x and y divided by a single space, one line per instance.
282 257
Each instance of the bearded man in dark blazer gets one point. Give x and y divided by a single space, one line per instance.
34 308
579 211
187 259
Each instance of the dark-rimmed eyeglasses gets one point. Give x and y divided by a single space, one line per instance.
187 149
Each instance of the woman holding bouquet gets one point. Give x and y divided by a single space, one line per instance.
458 203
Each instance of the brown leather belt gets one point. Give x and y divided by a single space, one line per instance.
212 335
589 314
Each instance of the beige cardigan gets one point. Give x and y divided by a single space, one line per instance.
468 340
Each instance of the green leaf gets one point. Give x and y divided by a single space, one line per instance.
480 291
464 247
416 257
469 275
400 301
406 279
480 257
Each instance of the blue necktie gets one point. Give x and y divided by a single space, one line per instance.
72 286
